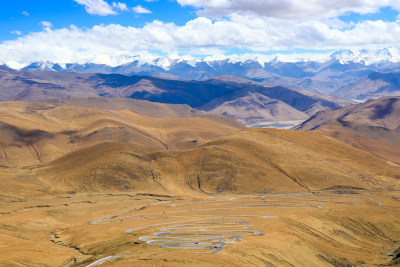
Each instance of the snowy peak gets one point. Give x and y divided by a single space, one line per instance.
168 62
368 56
46 66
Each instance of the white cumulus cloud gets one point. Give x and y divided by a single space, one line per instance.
120 6
46 25
97 7
288 9
141 10
108 44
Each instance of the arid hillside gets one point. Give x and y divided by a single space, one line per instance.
250 161
383 112
244 100
373 126
33 133
123 182
107 145
379 141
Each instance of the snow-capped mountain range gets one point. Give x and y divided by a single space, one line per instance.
363 56
368 56
323 73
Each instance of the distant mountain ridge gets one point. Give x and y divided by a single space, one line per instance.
375 85
329 74
174 63
252 102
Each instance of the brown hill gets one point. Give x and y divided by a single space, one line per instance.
66 165
72 148
257 109
373 126
379 141
249 161
243 91
33 133
213 94
384 112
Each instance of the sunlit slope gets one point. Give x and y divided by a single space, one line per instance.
381 142
109 166
383 112
373 126
33 133
270 160
249 161
65 146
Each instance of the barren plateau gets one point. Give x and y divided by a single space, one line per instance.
116 182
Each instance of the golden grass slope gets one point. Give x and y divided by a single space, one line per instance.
57 230
379 141
249 161
71 148
373 126
64 166
33 133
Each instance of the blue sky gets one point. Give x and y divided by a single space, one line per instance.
106 31
384 13
26 16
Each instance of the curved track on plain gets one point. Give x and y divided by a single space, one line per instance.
210 233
